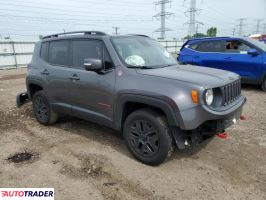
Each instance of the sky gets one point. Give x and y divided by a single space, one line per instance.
27 19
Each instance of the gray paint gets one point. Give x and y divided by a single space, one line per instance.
101 97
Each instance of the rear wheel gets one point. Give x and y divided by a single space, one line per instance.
148 137
263 84
42 109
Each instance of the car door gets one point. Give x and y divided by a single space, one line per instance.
239 61
92 93
58 74
209 54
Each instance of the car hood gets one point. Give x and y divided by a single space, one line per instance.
203 76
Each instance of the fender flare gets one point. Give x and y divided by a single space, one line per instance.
33 81
167 105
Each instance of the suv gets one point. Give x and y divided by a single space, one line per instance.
131 84
244 56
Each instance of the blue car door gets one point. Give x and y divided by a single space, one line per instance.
238 60
208 54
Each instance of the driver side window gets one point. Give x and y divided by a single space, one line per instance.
83 49
236 46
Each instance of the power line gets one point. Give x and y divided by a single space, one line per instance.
192 18
162 15
53 8
113 3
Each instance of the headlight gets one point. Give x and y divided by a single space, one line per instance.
209 97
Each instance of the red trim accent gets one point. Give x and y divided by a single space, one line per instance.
104 106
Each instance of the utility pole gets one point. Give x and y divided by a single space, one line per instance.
116 30
241 25
193 23
234 31
197 28
162 17
258 25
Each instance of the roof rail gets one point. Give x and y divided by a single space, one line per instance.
139 35
75 32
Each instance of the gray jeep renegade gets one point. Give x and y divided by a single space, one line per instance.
131 84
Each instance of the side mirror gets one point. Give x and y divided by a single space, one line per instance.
253 52
93 64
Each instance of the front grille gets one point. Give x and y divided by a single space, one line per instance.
231 92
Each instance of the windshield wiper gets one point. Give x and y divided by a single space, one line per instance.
140 67
169 65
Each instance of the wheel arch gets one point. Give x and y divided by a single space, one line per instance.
127 103
33 86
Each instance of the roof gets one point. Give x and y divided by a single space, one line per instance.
98 33
82 33
214 38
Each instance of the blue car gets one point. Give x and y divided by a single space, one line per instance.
244 56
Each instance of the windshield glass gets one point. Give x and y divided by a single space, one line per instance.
261 45
138 51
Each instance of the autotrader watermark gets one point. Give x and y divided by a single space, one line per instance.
26 193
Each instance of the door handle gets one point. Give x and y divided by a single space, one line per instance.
228 58
74 77
45 72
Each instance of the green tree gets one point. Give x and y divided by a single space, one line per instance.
197 35
212 32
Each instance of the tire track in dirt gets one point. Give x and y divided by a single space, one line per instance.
14 118
12 77
107 179
97 168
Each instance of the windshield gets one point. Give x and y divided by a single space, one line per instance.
261 45
142 52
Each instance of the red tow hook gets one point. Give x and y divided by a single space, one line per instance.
242 117
223 135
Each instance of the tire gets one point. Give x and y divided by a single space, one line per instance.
147 136
42 109
263 84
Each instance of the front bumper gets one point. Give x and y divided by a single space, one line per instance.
195 117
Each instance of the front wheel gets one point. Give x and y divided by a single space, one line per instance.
147 136
42 109
263 84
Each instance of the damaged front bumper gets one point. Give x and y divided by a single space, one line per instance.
201 124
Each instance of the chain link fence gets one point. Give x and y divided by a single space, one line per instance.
15 54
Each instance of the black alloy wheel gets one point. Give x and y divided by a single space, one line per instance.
143 138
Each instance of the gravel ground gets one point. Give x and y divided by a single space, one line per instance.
82 160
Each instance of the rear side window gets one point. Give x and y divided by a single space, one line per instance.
211 46
83 49
59 53
44 51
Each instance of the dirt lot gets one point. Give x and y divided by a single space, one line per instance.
82 160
